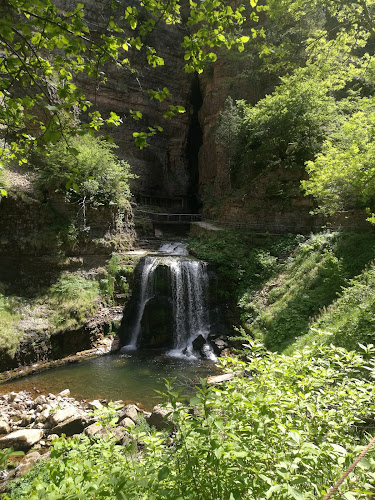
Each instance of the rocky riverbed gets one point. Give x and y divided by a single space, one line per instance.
31 423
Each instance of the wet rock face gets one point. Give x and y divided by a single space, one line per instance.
157 323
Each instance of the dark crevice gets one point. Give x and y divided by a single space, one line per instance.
194 142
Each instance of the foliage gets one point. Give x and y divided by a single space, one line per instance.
288 431
282 284
9 317
342 176
242 263
350 320
120 270
93 175
73 299
46 51
286 128
311 280
228 129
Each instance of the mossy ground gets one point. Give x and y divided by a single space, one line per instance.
290 289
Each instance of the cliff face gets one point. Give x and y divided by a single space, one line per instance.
164 167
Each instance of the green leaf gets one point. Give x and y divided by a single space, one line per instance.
163 473
295 493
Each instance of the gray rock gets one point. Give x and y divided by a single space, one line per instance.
52 437
71 426
119 433
199 342
4 427
127 422
59 416
64 394
22 439
160 418
95 405
93 429
130 411
39 400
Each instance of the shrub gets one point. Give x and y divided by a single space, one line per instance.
289 431
88 171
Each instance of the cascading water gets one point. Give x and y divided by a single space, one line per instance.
188 295
147 292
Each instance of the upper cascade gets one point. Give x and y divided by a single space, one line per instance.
172 304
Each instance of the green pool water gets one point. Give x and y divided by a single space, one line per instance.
132 377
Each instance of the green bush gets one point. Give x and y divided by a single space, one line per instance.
87 170
72 299
289 432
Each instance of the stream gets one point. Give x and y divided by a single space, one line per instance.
133 378
168 314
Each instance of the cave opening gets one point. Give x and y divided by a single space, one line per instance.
194 142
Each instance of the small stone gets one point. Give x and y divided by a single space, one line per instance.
4 427
39 400
52 437
95 405
64 394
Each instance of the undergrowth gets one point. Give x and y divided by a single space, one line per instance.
284 285
289 432
9 317
73 299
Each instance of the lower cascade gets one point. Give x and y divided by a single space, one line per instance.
171 309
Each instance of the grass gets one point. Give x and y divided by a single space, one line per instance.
350 320
9 333
287 288
65 306
72 299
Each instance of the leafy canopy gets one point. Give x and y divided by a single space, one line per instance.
45 50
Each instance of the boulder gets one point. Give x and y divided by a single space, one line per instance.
73 425
160 417
118 433
218 345
199 342
95 405
64 394
130 411
59 416
27 463
127 422
22 439
93 429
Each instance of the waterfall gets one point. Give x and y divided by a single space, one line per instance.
146 293
187 296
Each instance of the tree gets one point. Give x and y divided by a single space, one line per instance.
342 176
43 50
228 130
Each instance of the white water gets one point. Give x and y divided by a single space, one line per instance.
174 248
189 283
147 292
